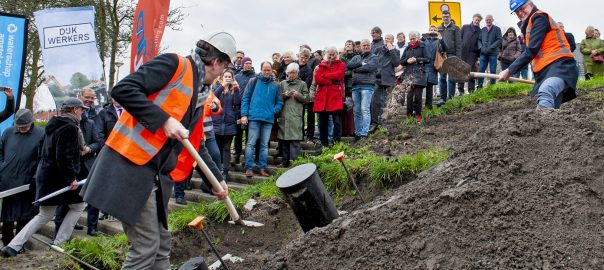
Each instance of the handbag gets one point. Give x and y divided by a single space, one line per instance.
598 58
439 59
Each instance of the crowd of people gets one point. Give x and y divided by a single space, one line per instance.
215 98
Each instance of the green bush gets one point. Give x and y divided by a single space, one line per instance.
106 252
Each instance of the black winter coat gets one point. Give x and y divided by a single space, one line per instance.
469 40
59 161
417 70
305 74
105 121
388 60
364 67
452 36
91 139
18 163
226 122
489 42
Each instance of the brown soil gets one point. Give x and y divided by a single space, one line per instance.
34 260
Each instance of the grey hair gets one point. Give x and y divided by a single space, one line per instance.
331 49
477 15
292 67
415 33
290 54
304 52
389 35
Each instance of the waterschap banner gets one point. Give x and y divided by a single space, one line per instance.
69 52
13 46
148 28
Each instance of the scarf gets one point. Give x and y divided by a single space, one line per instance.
203 89
81 141
414 44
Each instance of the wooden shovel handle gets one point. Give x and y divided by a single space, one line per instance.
206 171
495 76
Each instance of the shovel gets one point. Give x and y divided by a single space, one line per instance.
227 201
459 70
340 157
57 193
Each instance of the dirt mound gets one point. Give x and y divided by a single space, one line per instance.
524 191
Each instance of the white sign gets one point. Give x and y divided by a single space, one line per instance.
67 35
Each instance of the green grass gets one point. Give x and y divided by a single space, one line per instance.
594 83
106 252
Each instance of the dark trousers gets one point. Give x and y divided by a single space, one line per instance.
323 126
377 103
239 141
290 151
224 144
429 95
8 227
92 218
414 100
179 187
310 121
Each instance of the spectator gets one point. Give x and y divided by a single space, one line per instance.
414 59
291 118
553 64
225 124
106 119
569 37
432 40
510 49
276 65
388 59
489 43
87 96
357 47
401 45
237 63
260 104
9 107
597 33
523 70
348 114
364 67
312 61
470 52
242 79
287 58
19 147
318 56
376 39
305 74
60 164
591 46
451 34
329 96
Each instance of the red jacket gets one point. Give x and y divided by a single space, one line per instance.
330 86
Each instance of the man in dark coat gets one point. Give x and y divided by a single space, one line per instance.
19 149
376 39
556 81
138 195
451 34
489 43
58 168
364 66
388 59
9 108
469 50
570 37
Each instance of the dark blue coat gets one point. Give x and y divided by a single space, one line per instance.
417 70
388 60
430 44
489 42
364 67
226 122
244 77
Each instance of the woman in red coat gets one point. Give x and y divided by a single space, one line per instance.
329 96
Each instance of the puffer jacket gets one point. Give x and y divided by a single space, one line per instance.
364 67
510 50
226 122
329 78
263 102
452 36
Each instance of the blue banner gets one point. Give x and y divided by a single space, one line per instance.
13 43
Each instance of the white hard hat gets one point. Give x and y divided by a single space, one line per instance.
224 42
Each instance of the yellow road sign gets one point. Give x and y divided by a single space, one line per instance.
436 8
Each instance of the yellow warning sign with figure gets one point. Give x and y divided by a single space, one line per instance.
435 12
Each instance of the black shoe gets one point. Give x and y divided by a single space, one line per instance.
92 231
181 201
78 227
8 252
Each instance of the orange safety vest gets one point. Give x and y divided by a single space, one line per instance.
136 143
184 165
554 46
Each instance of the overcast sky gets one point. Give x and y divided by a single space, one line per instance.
262 27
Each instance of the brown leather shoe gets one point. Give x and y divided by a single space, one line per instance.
263 173
249 173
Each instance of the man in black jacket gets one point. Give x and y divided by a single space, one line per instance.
138 195
388 59
452 36
570 37
489 44
469 49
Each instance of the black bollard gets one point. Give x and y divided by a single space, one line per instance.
305 193
197 263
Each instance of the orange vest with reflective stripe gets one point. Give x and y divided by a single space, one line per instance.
184 166
132 140
554 46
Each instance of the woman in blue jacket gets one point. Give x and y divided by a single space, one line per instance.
225 124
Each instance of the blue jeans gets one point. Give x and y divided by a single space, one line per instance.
524 73
362 109
550 93
485 60
257 130
444 85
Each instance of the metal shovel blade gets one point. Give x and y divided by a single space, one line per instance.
458 69
247 223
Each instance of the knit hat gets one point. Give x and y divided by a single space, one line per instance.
23 118
245 59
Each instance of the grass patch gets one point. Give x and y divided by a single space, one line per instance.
106 252
593 83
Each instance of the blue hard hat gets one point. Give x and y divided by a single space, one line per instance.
515 4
